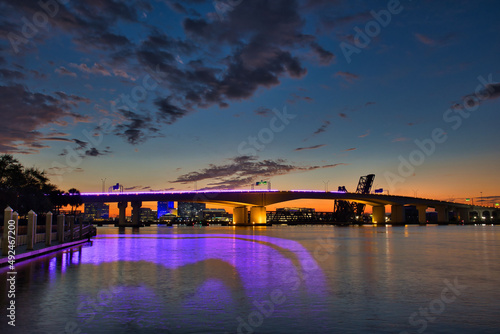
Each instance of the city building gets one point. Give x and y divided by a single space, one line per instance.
189 209
95 211
215 214
148 215
165 208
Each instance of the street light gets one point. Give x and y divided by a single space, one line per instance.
326 185
103 184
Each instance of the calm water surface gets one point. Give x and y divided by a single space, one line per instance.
304 279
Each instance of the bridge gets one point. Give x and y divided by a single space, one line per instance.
255 202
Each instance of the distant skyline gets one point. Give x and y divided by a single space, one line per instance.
178 95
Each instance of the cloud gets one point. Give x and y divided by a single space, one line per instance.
399 139
433 42
242 171
350 149
365 135
325 56
490 91
27 112
95 69
310 147
64 71
263 111
94 152
347 76
342 115
11 74
295 98
136 128
322 128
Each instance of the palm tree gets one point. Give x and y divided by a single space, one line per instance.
74 199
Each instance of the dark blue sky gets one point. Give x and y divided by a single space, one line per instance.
163 94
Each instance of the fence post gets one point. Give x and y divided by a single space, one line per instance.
31 230
48 229
60 228
7 216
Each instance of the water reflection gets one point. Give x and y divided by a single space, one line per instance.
216 280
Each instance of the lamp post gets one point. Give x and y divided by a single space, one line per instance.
103 184
326 185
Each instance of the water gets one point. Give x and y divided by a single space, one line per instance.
280 279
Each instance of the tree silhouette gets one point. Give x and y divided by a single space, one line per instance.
23 189
74 199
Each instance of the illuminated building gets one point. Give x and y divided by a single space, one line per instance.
165 208
93 211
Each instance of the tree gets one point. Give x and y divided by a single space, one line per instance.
74 199
23 189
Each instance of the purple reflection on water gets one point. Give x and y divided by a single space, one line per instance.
262 261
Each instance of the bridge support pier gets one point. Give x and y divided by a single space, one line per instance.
463 214
122 206
397 214
136 213
422 218
378 214
240 215
258 215
442 214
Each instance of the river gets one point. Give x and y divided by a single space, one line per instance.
279 279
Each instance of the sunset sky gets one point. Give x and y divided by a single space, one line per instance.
173 95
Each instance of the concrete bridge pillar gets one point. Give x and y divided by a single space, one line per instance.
122 206
442 212
240 215
136 213
463 215
258 215
378 214
397 214
422 219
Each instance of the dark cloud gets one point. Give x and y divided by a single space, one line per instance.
167 112
330 22
242 171
27 112
322 128
309 148
11 75
325 56
350 149
342 115
94 152
136 128
489 92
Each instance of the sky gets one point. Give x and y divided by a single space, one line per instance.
310 94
